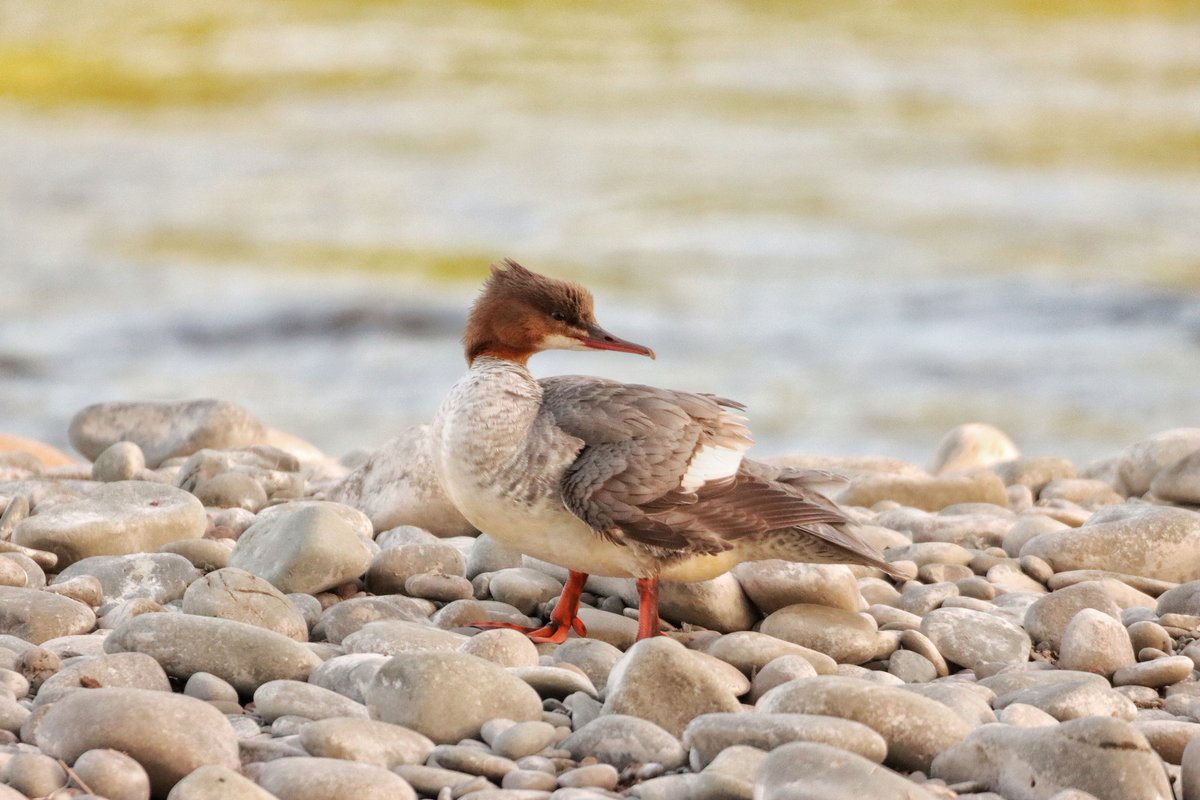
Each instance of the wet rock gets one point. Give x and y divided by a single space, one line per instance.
447 696
161 577
164 430
970 638
116 519
244 655
915 727
397 485
623 741
1095 642
844 636
330 779
927 493
812 771
1106 757
236 594
661 681
709 734
774 584
307 549
168 734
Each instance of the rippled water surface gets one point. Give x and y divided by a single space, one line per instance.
869 221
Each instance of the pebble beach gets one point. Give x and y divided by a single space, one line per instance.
200 606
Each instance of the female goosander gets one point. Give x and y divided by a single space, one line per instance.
609 478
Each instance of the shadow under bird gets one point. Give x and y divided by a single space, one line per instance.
608 478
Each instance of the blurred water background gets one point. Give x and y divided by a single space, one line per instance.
868 220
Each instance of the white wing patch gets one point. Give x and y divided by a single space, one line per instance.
710 463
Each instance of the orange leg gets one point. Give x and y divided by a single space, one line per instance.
647 608
563 620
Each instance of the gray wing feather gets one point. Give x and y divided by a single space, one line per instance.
639 440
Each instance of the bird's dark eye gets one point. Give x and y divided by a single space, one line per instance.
558 315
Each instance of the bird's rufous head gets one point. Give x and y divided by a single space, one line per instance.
520 313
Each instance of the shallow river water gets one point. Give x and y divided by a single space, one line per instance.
868 221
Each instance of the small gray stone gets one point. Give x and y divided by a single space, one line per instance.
33 775
309 548
488 555
813 771
369 741
349 674
1179 481
214 782
844 636
709 734
622 741
116 519
779 671
161 577
1155 674
1169 737
168 734
231 490
523 588
330 779
774 584
1138 539
120 461
928 493
389 569
1107 757
275 699
915 727
594 657
244 655
1046 620
969 637
205 555
438 586
391 637
344 618
164 430
524 739
112 774
204 686
1142 461
508 648
750 651
1095 642
447 696
1070 698
110 671
661 681
37 616
236 594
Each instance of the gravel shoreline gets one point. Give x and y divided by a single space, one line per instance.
209 608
